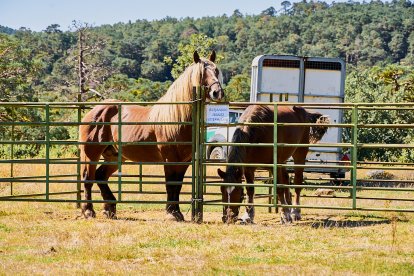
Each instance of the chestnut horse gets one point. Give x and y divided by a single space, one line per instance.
264 155
202 73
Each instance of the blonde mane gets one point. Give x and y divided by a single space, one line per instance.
179 91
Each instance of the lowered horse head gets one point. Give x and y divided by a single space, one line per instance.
231 194
233 174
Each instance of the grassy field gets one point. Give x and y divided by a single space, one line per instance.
51 238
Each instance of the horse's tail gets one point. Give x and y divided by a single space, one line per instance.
317 131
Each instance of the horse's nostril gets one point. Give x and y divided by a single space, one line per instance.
215 94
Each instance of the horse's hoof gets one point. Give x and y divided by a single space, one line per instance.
89 213
110 211
175 216
296 215
245 219
109 214
285 218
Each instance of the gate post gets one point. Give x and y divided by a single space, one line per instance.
197 167
354 154
275 156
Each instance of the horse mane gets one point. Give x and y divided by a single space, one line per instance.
247 134
179 91
317 131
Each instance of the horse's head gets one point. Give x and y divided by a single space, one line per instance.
211 77
231 194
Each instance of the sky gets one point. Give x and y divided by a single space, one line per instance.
38 14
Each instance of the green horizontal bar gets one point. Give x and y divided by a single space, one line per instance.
262 165
362 106
35 195
319 145
72 142
359 105
272 124
408 168
385 209
34 177
306 186
126 182
385 180
385 125
401 146
391 189
239 185
94 201
96 163
77 104
14 123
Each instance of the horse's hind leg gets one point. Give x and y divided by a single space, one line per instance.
102 175
88 175
284 194
299 157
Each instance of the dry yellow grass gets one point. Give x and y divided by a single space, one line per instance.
50 238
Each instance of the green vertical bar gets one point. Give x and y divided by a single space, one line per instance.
78 165
47 114
119 152
275 155
194 169
201 155
12 150
140 176
354 155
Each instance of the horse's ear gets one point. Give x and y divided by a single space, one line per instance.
221 173
196 57
213 56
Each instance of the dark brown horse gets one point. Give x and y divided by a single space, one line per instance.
264 155
202 73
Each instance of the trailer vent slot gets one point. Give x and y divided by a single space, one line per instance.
281 63
323 65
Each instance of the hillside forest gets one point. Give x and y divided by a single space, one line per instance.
137 61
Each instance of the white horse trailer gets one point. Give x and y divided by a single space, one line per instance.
278 78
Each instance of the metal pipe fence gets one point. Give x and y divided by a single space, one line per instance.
357 185
54 174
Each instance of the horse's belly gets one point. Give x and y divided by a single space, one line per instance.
142 153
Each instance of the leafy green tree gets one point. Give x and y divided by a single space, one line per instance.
198 42
238 88
390 84
18 70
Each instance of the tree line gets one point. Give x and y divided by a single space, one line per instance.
137 61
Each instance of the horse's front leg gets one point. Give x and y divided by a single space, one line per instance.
284 196
248 216
299 157
296 213
174 176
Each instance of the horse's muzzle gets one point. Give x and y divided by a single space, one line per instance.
217 95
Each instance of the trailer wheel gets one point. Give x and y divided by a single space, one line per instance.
217 153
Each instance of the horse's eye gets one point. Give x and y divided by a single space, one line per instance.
216 71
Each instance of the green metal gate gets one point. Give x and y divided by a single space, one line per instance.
44 180
359 191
